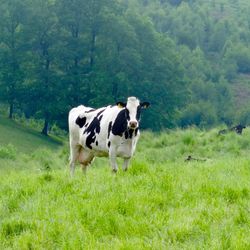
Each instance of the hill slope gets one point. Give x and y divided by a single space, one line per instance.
24 139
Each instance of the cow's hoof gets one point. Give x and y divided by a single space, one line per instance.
114 171
125 169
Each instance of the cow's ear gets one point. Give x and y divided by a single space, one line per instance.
145 105
121 104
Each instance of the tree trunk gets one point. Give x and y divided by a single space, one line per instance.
45 47
45 127
11 110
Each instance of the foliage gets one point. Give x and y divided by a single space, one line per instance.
55 55
201 114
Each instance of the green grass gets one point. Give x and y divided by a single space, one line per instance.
24 139
161 202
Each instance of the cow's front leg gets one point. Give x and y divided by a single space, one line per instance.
112 158
125 164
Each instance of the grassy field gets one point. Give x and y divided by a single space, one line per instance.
23 138
162 202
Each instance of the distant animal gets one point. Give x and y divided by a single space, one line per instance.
191 158
223 131
238 129
111 131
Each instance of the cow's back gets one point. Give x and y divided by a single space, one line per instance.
90 127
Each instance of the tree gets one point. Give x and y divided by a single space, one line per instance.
42 31
73 59
11 53
160 76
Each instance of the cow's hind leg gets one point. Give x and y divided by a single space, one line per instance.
85 158
74 154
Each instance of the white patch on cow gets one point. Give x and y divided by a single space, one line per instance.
132 105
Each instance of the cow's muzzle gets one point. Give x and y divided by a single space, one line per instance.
133 124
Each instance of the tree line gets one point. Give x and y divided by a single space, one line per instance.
182 56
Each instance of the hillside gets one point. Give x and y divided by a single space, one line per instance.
24 139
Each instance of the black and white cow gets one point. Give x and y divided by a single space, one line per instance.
109 131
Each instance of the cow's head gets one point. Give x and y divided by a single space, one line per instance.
133 109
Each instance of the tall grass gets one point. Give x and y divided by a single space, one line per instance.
161 202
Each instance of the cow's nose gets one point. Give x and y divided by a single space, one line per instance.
133 124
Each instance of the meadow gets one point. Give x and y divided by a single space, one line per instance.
161 202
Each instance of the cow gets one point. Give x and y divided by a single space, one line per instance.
111 131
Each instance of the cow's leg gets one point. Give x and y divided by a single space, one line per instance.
74 154
84 168
125 164
112 158
85 158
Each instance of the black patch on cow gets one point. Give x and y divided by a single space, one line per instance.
91 110
96 143
127 114
81 121
109 144
90 139
126 134
120 124
86 125
109 129
93 128
130 132
136 131
121 104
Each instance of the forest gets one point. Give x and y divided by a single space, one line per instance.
189 58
